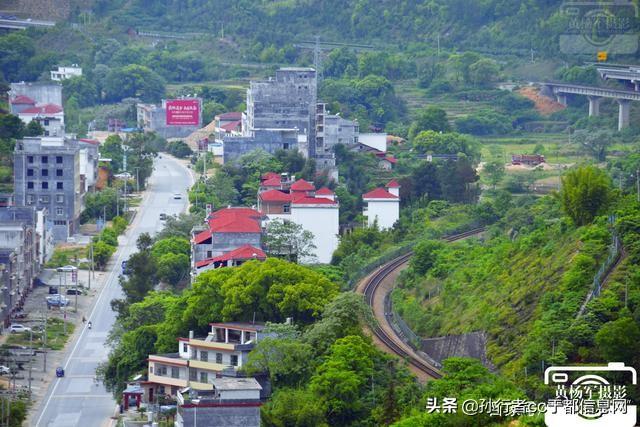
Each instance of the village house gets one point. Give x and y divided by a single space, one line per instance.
382 205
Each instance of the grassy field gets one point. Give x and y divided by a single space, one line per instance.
56 336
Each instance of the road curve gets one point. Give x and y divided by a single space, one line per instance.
375 289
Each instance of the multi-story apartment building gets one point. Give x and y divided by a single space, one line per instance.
199 361
63 73
47 176
20 255
287 101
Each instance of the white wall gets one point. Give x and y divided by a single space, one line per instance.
322 221
386 211
374 140
240 394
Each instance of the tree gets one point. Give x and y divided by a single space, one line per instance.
16 49
431 118
179 149
424 256
495 171
102 253
444 143
288 240
595 142
134 81
286 360
484 72
586 192
34 128
173 268
82 89
619 341
171 245
11 127
99 204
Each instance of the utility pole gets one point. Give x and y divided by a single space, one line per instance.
44 342
90 263
638 185
137 179
30 359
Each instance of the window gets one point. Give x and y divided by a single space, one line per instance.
161 370
46 122
30 199
209 254
30 185
58 159
45 172
59 186
175 372
30 159
29 172
203 377
219 358
193 374
234 360
45 159
59 172
44 199
45 185
151 369
59 222
161 389
286 208
185 347
60 198
285 146
204 356
59 211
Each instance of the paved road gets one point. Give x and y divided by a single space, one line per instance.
76 400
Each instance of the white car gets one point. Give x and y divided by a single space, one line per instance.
177 196
17 328
4 370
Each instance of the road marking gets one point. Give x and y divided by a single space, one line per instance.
77 395
95 305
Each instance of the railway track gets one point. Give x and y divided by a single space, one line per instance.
395 343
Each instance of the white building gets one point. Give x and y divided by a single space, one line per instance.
383 206
199 361
63 73
298 201
50 116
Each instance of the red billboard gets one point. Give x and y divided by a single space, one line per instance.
183 112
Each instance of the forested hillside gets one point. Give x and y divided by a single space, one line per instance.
461 23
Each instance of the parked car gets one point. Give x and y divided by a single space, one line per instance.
4 370
53 290
177 196
163 216
57 301
74 291
18 328
20 351
124 267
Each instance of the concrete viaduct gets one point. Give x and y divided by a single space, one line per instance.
595 95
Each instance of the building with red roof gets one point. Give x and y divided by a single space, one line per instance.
50 116
225 240
285 198
382 205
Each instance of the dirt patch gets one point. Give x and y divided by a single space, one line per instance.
544 105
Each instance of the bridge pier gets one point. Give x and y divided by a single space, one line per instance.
561 98
594 106
624 106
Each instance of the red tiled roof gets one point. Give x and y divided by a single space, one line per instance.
324 191
235 220
231 126
391 160
241 253
22 100
379 193
393 184
43 109
202 236
302 185
90 141
313 201
231 115
272 182
270 175
274 196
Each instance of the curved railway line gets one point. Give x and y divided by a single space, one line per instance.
393 342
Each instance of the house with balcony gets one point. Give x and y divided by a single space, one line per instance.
382 205
283 197
200 360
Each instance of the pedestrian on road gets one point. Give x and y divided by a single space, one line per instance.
83 319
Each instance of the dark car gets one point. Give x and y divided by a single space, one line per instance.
53 290
73 291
